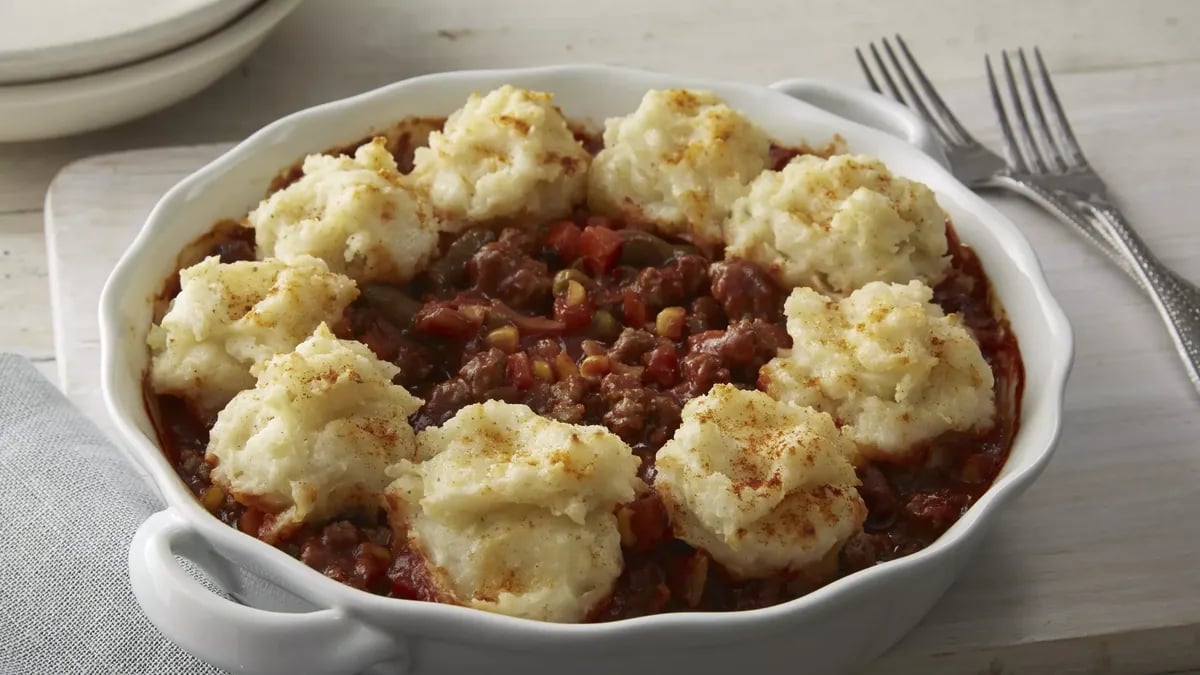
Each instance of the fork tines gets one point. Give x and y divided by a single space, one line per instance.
927 102
1029 151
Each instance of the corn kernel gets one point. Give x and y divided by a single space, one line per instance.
542 371
213 497
564 366
669 322
505 338
595 367
576 293
474 313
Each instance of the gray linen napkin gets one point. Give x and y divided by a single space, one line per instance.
69 504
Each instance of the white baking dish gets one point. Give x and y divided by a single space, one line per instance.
332 628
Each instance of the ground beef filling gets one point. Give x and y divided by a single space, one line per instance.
590 322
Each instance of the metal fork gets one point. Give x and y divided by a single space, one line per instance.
978 167
1051 158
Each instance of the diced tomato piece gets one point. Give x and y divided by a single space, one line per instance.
662 365
409 578
633 309
519 370
563 239
599 248
573 317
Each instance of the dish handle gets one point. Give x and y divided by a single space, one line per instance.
867 108
236 637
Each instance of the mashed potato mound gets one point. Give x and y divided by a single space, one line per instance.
355 213
886 363
762 486
315 435
229 317
506 155
679 161
836 224
514 513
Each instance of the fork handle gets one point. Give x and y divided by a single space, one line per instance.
1178 304
1082 224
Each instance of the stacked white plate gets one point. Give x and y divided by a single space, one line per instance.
68 66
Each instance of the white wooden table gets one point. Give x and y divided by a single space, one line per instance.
1096 568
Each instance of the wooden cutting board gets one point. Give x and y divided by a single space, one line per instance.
1095 569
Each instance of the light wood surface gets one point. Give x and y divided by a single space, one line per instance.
1094 571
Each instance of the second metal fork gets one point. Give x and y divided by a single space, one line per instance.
1051 158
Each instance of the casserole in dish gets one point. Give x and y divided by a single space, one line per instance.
835 627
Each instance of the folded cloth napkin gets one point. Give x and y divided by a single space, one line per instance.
69 504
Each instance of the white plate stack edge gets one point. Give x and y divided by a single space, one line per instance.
69 66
